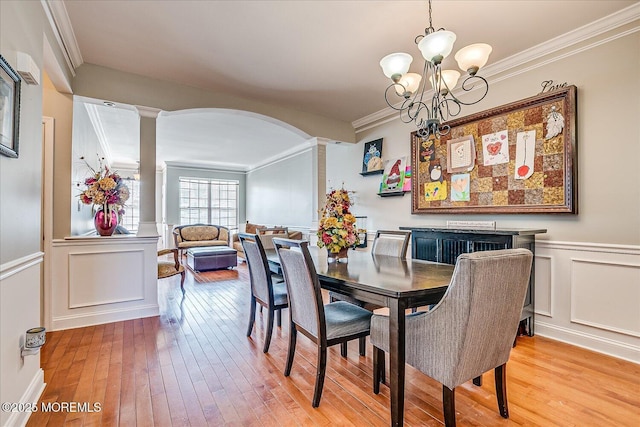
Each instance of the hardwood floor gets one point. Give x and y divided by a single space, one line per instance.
194 366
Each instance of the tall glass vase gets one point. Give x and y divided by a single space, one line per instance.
105 222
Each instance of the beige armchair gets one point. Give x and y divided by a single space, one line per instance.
470 331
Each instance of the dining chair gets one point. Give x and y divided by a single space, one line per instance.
386 242
264 291
470 331
171 268
391 243
325 325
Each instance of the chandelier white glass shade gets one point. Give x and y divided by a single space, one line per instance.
435 46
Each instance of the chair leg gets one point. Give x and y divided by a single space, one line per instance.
252 315
292 349
320 370
501 390
279 318
343 349
378 358
449 406
362 346
267 336
477 381
182 273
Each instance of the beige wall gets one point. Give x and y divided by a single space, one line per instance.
104 83
608 141
60 107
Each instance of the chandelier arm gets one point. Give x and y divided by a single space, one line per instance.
390 104
446 104
466 88
443 130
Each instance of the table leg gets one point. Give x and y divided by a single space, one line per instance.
397 359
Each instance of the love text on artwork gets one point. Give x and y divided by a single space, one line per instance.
548 86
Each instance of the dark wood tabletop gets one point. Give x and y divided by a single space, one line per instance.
386 281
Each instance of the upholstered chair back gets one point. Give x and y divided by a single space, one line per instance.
260 275
391 243
473 328
305 298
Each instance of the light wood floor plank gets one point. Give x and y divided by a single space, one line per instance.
194 366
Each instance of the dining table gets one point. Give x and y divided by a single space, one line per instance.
386 281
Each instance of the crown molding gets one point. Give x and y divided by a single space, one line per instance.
564 41
94 118
148 112
61 26
208 166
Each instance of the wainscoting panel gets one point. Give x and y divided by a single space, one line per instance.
98 280
22 380
93 279
588 294
606 295
544 291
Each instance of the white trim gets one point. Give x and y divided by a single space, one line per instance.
105 316
10 268
61 26
589 247
96 122
551 286
578 35
148 229
148 112
283 156
592 342
48 141
218 167
31 395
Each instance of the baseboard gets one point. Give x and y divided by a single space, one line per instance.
592 342
31 395
107 316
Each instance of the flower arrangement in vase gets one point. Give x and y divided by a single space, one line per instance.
337 227
108 193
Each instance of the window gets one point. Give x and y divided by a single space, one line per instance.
209 201
131 217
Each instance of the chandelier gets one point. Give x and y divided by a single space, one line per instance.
428 115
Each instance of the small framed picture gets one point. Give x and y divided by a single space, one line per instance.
9 109
372 158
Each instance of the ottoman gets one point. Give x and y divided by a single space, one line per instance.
211 258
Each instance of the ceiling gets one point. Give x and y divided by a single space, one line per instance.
316 56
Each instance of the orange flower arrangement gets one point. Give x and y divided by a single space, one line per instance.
337 228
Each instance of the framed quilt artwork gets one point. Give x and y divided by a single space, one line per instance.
517 158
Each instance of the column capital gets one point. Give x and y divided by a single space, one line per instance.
148 111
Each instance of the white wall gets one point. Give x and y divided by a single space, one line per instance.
85 144
172 188
283 192
606 232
